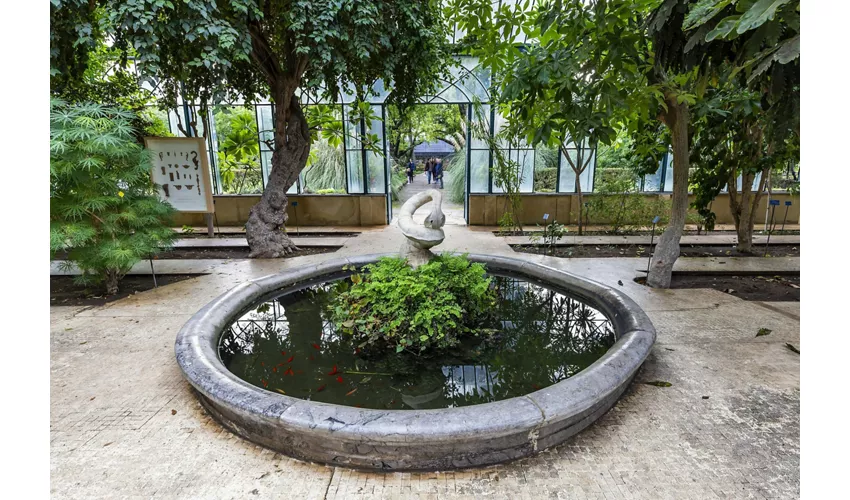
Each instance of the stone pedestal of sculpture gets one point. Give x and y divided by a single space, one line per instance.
420 239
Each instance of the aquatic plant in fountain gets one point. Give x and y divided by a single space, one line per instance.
431 306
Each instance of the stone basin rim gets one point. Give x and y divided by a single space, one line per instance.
434 439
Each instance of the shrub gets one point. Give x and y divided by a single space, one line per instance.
104 212
454 172
433 306
550 235
397 181
620 206
545 180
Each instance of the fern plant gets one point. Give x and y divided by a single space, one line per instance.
104 212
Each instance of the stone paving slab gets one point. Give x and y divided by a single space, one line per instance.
164 266
765 265
594 227
301 229
124 423
707 239
302 241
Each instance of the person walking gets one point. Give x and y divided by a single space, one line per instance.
438 172
428 170
411 167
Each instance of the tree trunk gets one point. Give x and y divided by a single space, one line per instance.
667 250
580 204
264 229
111 281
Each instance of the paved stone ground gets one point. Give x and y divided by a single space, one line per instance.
124 423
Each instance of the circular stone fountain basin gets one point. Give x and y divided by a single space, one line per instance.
407 439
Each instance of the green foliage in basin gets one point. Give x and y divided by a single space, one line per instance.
392 305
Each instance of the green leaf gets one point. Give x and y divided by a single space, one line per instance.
758 14
763 331
788 51
723 28
703 12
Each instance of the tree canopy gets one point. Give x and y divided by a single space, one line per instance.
220 50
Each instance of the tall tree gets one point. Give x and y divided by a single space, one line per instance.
693 41
750 125
212 51
674 73
578 83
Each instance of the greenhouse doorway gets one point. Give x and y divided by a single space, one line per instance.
428 133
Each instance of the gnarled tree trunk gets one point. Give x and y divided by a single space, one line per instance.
264 229
667 250
111 279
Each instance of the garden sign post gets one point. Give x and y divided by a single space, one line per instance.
181 172
651 241
787 204
773 204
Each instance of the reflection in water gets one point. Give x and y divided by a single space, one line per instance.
288 345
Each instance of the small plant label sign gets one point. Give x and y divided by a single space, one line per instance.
545 216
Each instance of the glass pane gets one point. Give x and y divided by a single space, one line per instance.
567 182
485 113
236 149
545 169
266 164
589 176
266 126
377 173
525 158
451 93
174 122
199 122
499 121
355 171
326 170
668 179
652 182
475 83
479 172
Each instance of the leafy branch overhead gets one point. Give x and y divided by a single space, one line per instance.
764 32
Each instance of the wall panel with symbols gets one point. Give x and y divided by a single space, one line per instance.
182 172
